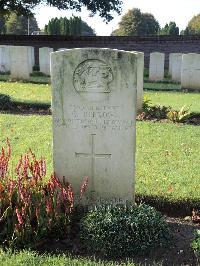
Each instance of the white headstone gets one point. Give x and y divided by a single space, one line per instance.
156 66
32 56
44 59
20 63
176 62
170 63
94 113
140 82
190 71
4 58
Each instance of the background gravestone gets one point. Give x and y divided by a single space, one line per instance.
4 58
140 81
156 66
44 59
32 57
20 63
190 72
94 112
176 63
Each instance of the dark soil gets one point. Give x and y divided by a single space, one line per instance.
194 119
178 252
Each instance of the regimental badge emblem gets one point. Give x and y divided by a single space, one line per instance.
93 76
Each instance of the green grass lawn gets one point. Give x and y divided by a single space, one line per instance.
27 92
175 99
33 78
161 86
28 258
41 93
167 154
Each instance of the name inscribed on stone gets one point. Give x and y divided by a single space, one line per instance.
95 117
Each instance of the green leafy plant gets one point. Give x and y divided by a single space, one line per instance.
179 116
153 111
30 208
5 102
146 104
196 244
118 231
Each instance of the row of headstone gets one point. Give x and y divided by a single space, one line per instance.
19 60
184 68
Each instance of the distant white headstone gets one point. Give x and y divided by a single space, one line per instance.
94 115
176 62
20 63
4 58
32 56
156 66
140 81
44 59
170 63
190 71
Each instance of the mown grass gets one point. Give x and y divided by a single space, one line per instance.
167 161
33 78
26 92
167 154
30 258
175 99
40 93
161 86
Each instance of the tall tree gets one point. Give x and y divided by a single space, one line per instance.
25 7
170 29
19 24
193 27
2 25
134 22
73 26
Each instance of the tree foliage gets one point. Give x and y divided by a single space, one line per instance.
193 27
25 7
2 25
170 29
134 22
73 26
19 24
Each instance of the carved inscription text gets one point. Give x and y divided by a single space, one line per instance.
95 117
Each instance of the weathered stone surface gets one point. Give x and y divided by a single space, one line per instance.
20 66
31 56
94 112
156 66
44 59
140 81
190 71
4 58
170 63
176 62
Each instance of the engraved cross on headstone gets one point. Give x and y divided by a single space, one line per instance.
93 157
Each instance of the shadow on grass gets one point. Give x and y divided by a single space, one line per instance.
178 208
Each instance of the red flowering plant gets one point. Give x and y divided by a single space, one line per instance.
30 208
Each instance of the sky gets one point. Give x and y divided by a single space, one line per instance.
180 11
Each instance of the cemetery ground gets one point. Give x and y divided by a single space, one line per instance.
167 168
